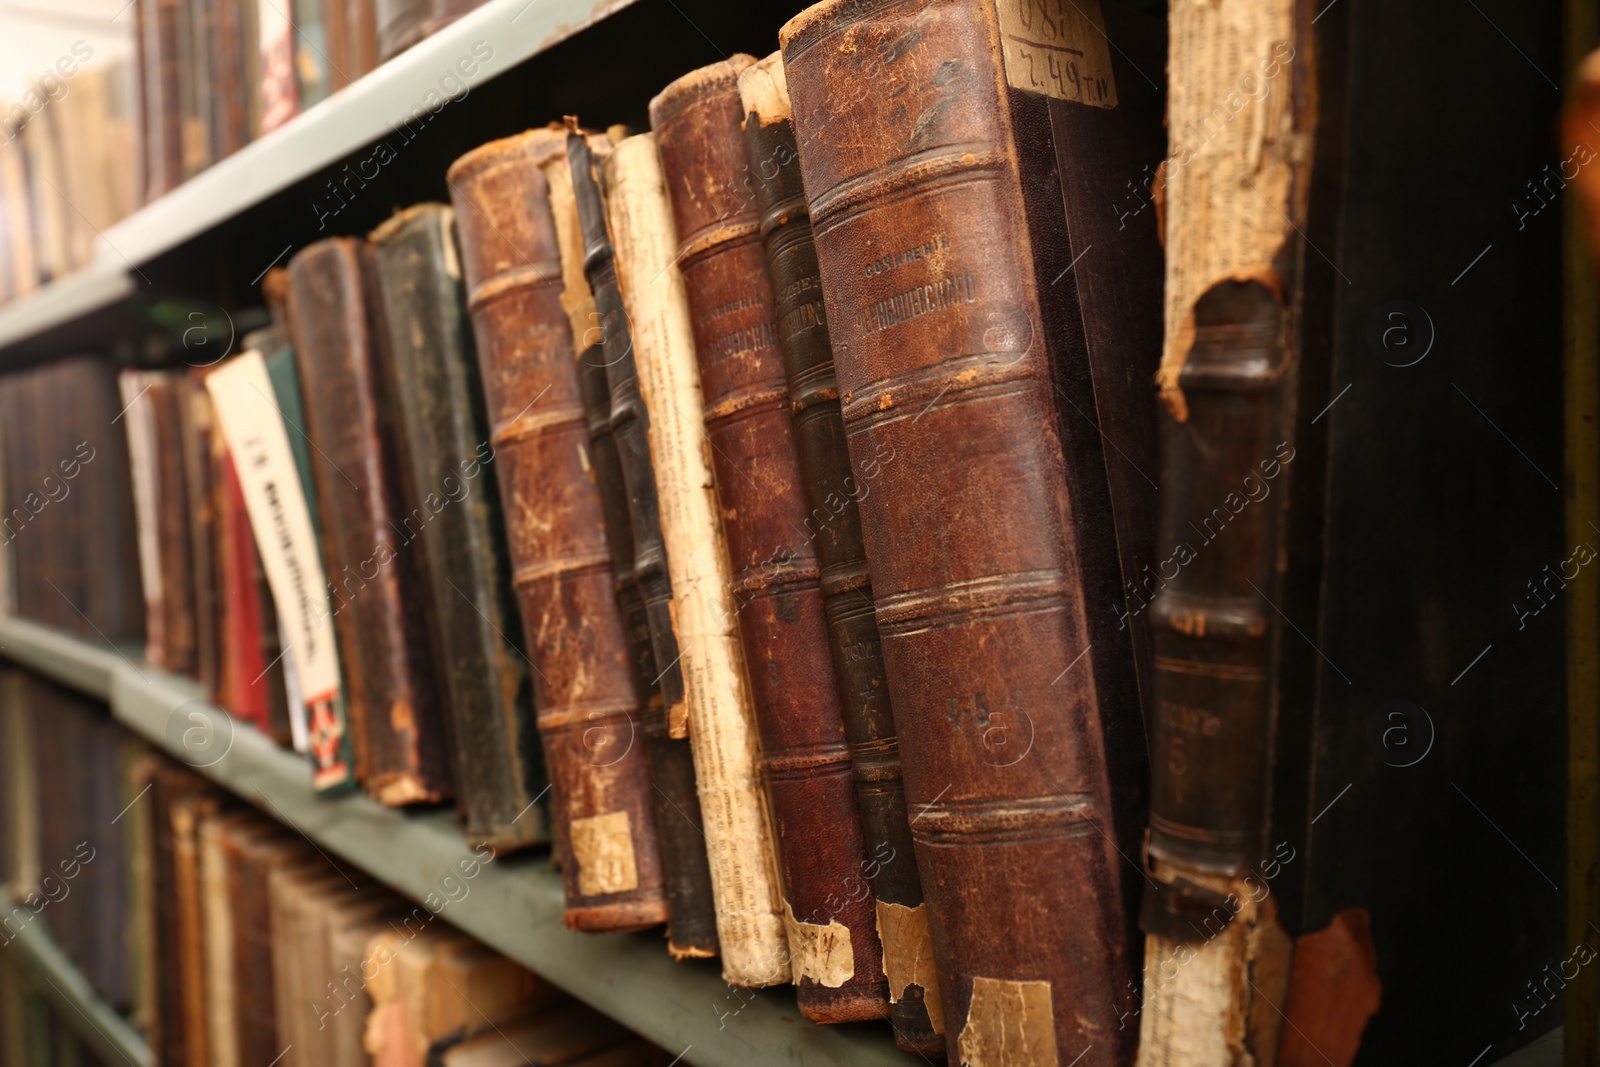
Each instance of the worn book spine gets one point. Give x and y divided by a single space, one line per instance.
174 545
231 116
739 843
453 515
400 24
1217 954
588 710
205 533
162 104
828 908
277 89
361 44
907 120
619 423
401 753
833 524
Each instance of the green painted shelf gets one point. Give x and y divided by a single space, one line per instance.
514 904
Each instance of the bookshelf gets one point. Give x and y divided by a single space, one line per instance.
97 1023
360 114
514 905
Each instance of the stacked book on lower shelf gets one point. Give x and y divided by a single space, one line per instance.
513 905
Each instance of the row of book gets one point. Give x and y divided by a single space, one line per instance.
228 939
216 74
93 139
755 509
65 147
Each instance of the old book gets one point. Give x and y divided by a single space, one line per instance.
587 706
566 1034
52 214
620 451
837 959
195 58
253 848
204 491
400 24
1225 379
277 88
161 100
396 696
968 372
246 686
162 509
216 909
312 70
256 411
179 801
231 38
739 843
453 517
20 866
14 199
67 523
432 985
833 524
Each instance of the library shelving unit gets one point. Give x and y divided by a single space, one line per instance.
208 243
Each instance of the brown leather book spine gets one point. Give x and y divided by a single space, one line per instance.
205 534
231 117
909 153
454 519
833 524
805 757
399 728
400 24
619 432
180 649
587 707
162 101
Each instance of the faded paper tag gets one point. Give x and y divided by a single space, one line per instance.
1234 153
821 953
603 848
1009 1024
1057 48
908 956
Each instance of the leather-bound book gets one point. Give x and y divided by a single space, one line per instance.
162 103
587 706
400 24
311 67
206 537
397 706
620 444
837 959
253 849
970 370
194 83
739 844
433 985
18 220
833 525
452 516
179 800
161 507
230 116
277 89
